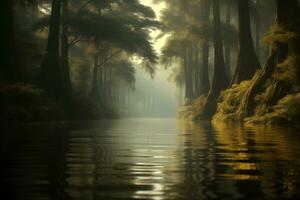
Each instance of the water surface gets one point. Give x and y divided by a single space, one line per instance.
148 159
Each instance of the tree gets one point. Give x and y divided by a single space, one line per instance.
220 79
205 51
50 76
65 71
10 71
247 60
285 42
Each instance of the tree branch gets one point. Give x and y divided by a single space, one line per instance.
109 57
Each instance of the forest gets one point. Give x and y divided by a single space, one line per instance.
230 60
149 99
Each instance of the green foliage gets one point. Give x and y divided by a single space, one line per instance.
174 48
114 31
23 102
125 71
229 102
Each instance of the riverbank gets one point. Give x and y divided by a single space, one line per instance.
27 103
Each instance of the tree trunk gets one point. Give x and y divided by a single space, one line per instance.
95 89
227 45
191 70
197 74
187 75
10 70
50 77
257 22
220 79
247 60
205 85
65 71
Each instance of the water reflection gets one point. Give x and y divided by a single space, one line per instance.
149 159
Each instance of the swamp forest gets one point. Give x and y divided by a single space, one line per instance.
149 99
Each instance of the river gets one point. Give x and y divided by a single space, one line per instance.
151 159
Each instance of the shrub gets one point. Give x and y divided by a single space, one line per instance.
25 102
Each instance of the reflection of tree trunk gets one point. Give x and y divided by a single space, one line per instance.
220 79
9 65
50 77
247 59
258 18
65 71
288 16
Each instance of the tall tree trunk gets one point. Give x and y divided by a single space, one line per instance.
95 87
65 70
247 60
205 85
50 77
220 79
191 70
257 22
187 75
227 45
9 65
197 74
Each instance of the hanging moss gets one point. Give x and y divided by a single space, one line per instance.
194 109
278 35
288 70
287 110
229 102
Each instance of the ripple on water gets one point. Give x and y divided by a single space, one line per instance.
149 159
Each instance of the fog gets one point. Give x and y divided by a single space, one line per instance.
153 97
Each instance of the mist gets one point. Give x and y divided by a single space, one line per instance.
149 99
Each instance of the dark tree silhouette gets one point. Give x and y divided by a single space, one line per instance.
247 60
